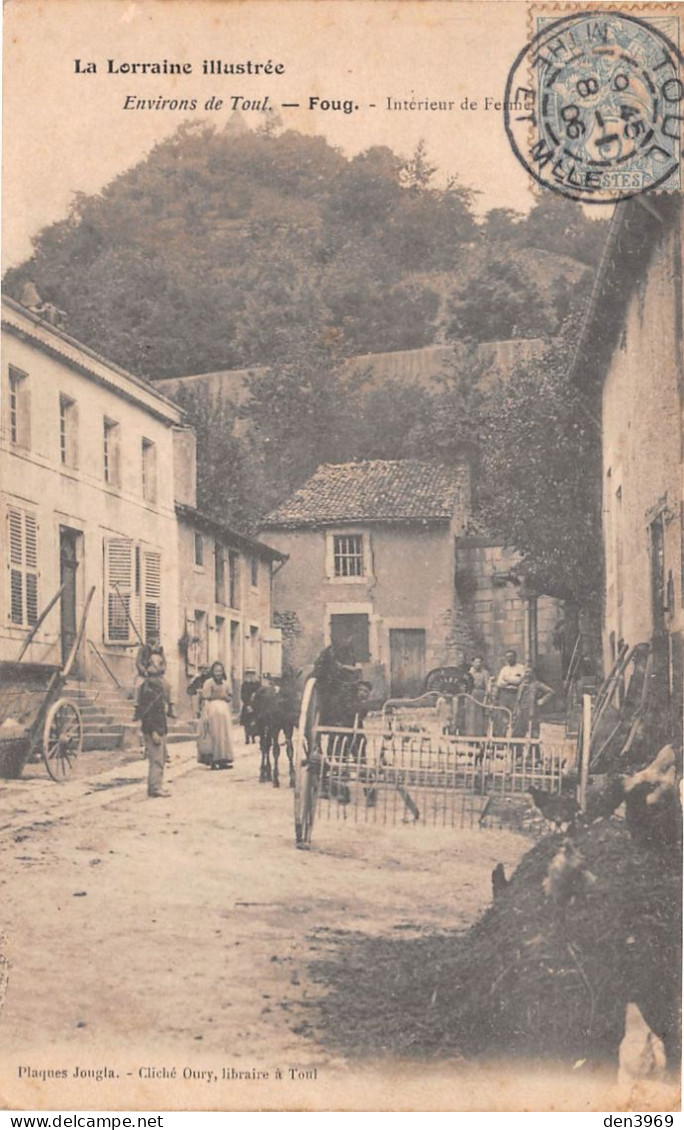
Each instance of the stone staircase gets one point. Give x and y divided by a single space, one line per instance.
107 714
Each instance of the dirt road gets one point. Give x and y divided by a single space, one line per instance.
156 949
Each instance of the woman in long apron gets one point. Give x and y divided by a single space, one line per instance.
217 718
475 717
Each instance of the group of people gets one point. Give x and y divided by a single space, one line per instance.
512 699
154 706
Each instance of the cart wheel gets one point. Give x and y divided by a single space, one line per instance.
62 738
307 767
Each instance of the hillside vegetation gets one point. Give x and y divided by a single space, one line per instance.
215 248
236 249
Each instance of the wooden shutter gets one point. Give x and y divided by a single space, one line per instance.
119 588
31 566
16 544
151 595
23 563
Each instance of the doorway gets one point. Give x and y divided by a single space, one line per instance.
407 661
70 555
235 659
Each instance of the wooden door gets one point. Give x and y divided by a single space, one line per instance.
407 662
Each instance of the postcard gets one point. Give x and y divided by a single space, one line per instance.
341 618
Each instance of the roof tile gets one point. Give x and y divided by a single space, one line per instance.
379 490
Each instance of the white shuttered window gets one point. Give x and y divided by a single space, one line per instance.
151 596
133 577
119 589
22 538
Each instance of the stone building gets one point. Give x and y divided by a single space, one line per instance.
86 502
98 491
225 593
379 551
629 360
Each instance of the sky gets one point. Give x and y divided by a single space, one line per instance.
67 132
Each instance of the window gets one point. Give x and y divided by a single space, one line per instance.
19 408
348 555
23 561
234 580
200 653
132 591
68 431
149 470
221 641
254 572
111 469
355 628
219 573
120 586
151 595
254 648
199 550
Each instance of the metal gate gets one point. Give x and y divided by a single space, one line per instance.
402 768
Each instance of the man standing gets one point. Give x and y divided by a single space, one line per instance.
506 688
336 677
152 707
250 685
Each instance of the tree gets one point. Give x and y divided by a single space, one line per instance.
454 419
417 172
227 488
534 449
540 458
498 300
299 414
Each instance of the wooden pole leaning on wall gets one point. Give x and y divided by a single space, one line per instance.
39 621
66 671
585 751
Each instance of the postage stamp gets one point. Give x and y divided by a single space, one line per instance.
593 106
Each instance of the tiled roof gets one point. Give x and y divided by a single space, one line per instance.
210 525
402 490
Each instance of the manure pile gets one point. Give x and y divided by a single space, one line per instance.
526 980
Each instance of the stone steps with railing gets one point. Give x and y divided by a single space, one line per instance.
107 714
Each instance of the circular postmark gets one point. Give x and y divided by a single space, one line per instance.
594 106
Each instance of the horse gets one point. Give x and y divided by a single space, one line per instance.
276 712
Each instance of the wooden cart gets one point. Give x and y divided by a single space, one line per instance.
36 717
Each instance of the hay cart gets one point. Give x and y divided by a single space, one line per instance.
403 766
36 717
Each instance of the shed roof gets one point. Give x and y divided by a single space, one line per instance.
380 490
206 524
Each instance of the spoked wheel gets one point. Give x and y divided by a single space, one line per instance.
307 767
62 738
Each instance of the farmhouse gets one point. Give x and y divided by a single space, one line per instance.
98 494
629 360
382 551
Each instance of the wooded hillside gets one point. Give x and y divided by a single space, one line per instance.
211 252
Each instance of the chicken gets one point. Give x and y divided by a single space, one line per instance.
605 793
567 880
652 804
556 809
499 881
642 1053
